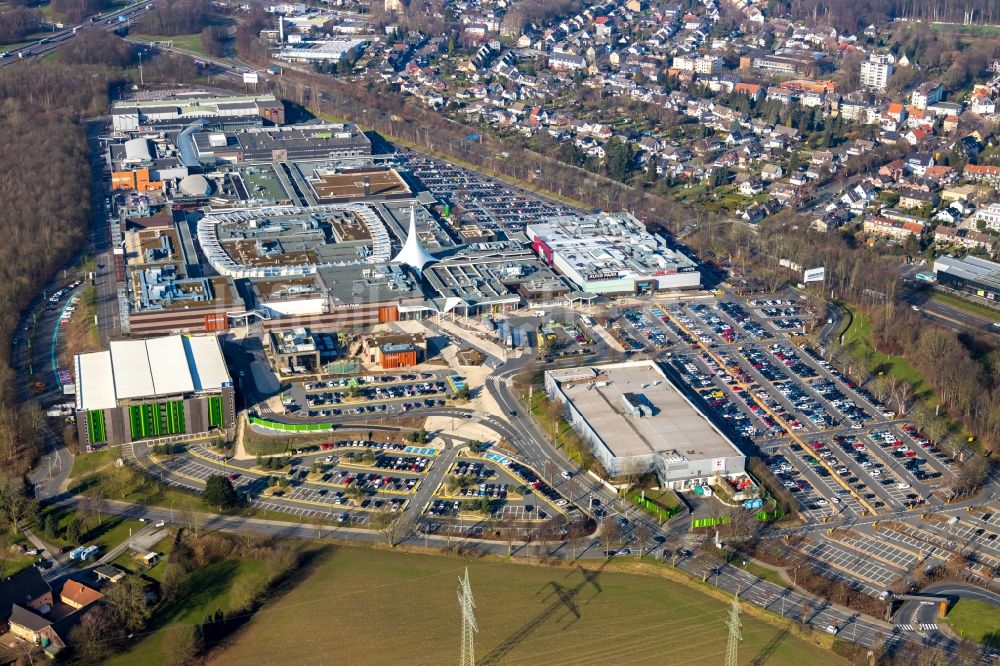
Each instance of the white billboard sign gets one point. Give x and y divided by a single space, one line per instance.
814 275
250 77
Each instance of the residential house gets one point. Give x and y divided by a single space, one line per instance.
982 174
77 595
988 216
968 146
950 124
29 626
851 110
860 147
983 104
965 238
752 90
566 62
749 185
26 588
919 163
788 194
782 95
885 227
894 170
771 172
927 93
910 198
918 134
948 215
940 174
896 112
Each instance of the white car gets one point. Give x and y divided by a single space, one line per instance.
903 486
832 629
567 475
821 502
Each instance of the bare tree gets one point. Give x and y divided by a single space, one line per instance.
610 532
642 535
389 525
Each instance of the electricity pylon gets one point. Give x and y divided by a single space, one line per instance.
469 628
735 635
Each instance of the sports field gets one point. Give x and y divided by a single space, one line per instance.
373 607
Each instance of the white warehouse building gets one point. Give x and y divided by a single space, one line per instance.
636 421
611 253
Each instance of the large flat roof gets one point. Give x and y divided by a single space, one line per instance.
675 427
155 367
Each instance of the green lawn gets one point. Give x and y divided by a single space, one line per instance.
971 29
88 463
372 607
966 306
858 337
976 620
107 532
163 547
662 502
187 42
763 572
208 589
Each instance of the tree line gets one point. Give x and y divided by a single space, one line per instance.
75 11
16 23
183 17
45 189
854 15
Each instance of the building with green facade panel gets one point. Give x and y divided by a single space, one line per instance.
160 387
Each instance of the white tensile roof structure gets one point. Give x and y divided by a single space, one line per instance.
413 253
157 367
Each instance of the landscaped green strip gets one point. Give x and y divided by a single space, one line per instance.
96 427
966 306
135 421
215 411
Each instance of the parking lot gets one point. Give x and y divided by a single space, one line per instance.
341 481
851 565
372 395
760 385
515 493
488 203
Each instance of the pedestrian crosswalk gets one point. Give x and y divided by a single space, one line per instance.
917 627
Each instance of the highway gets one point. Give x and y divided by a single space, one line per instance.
60 38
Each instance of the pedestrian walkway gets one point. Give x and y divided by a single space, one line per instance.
52 551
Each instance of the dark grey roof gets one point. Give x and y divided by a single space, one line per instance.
159 109
23 617
26 586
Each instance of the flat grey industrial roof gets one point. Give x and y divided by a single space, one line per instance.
675 426
970 268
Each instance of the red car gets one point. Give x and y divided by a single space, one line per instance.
234 476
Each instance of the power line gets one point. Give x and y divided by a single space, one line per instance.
469 628
735 635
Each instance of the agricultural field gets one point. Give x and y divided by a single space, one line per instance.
526 614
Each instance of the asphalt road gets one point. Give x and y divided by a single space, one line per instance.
66 35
